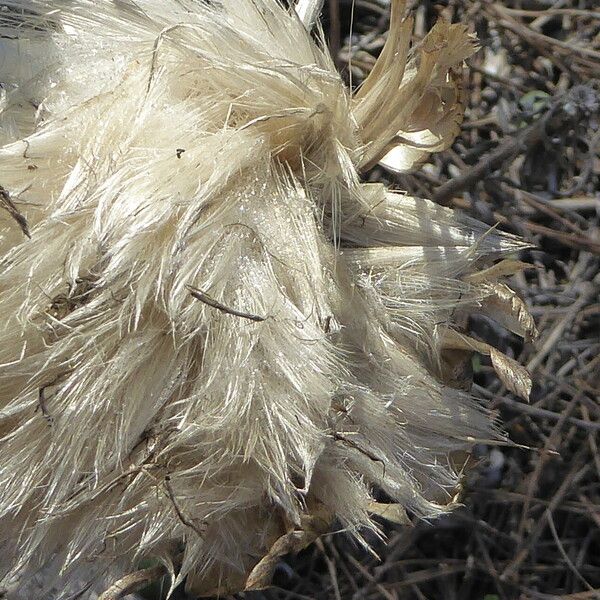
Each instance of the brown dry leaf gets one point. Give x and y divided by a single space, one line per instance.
396 513
312 526
507 308
412 102
437 121
513 375
453 340
294 541
133 582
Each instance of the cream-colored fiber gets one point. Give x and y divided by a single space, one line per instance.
215 333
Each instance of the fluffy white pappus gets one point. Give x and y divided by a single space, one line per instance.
215 339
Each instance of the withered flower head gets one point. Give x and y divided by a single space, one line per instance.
215 337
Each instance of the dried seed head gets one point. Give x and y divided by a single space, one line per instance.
218 338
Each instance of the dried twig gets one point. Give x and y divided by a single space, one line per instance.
182 517
7 203
203 297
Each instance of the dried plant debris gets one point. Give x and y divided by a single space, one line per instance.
220 337
528 528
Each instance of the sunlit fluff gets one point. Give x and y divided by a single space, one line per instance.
216 338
